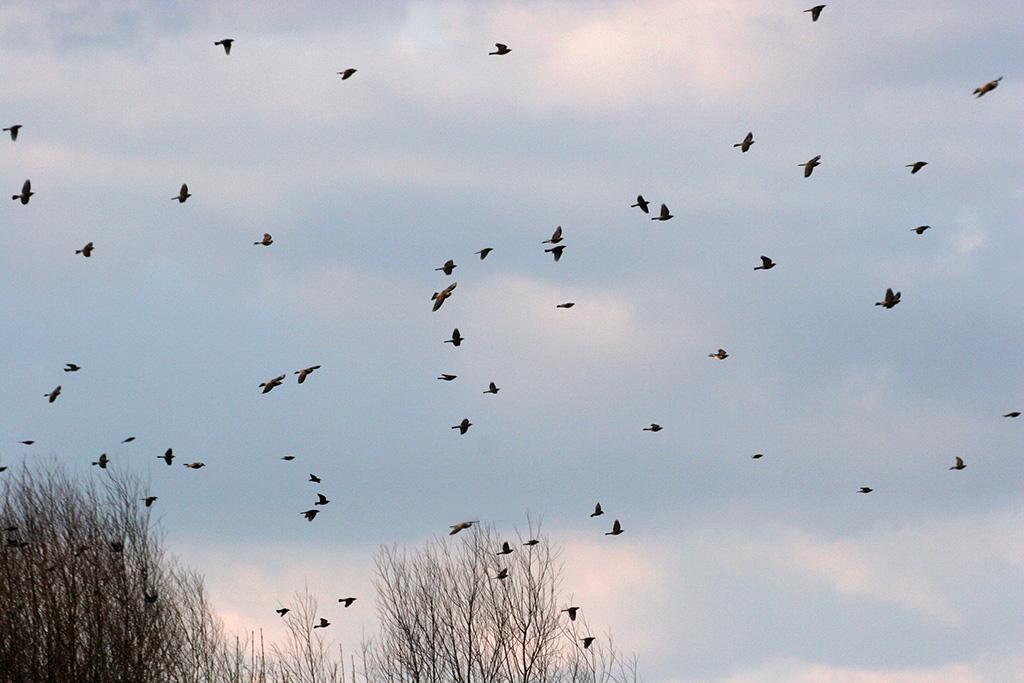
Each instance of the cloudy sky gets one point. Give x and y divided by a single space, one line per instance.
731 570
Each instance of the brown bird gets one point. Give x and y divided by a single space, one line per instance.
102 462
283 611
323 623
890 299
226 43
321 499
456 528
1015 413
920 229
532 542
503 574
747 142
556 236
506 549
653 428
815 12
53 394
310 515
440 297
266 241
447 377
664 215
916 166
616 529
988 87
492 388
183 194
959 464
556 252
587 641
306 372
766 264
484 252
167 457
347 73
85 251
641 204
503 49
271 383
448 267
597 511
348 601
567 304
195 465
809 166
463 426
26 192
571 611
719 355
149 500
456 339
13 130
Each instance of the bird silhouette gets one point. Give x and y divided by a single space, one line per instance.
271 383
810 165
815 12
556 236
890 299
448 267
183 194
283 611
757 456
721 354
26 192
920 229
492 388
641 204
556 252
226 43
1015 413
766 264
102 462
150 598
664 215
116 546
567 304
484 252
597 511
310 515
313 478
655 427
321 499
266 241
27 442
456 528
13 130
503 49
865 489
71 367
532 542
440 297
456 339
149 500
347 73
323 623
587 641
502 575
959 464
987 88
306 372
168 456
446 377
195 465
348 601
916 166
463 426
616 529
506 549
747 142
85 251
571 611
52 396
288 458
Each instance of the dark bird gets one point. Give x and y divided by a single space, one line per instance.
492 388
226 44
271 383
664 215
195 465
348 601
26 192
13 130
571 611
287 458
447 377
102 462
116 546
266 241
313 478
456 528
484 252
150 598
310 515
597 511
71 367
53 394
503 574
306 372
506 549
323 623
890 299
347 73
448 267
440 297
641 204
27 443
719 355
815 12
747 142
503 49
128 440
809 166
916 166
766 264
757 456
183 194
149 500
865 489
920 229
567 304
456 339
587 641
616 529
655 427
167 457
532 542
463 426
321 499
85 251
556 252
556 236
959 464
1015 413
283 611
988 87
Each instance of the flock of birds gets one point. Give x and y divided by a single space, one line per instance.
889 301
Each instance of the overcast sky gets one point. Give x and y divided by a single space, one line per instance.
731 570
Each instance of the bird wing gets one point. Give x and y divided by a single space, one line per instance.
27 187
766 261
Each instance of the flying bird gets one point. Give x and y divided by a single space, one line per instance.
532 542
271 383
484 252
287 458
556 252
283 611
313 478
463 426
183 194
757 456
766 264
150 598
988 87
149 500
71 367
865 489
195 465
571 611
167 457
506 549
310 515
747 142
26 192
567 304
456 528
102 462
959 464
321 499
53 394
447 377
456 339
13 130
503 574
616 529
587 641
226 44
448 267
920 229
85 251
556 236
664 215
323 623
266 241
815 12
347 73
890 299
440 297
916 166
655 427
492 388
719 355
503 49
641 203
28 442
348 601
1015 413
306 372
597 511
809 166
